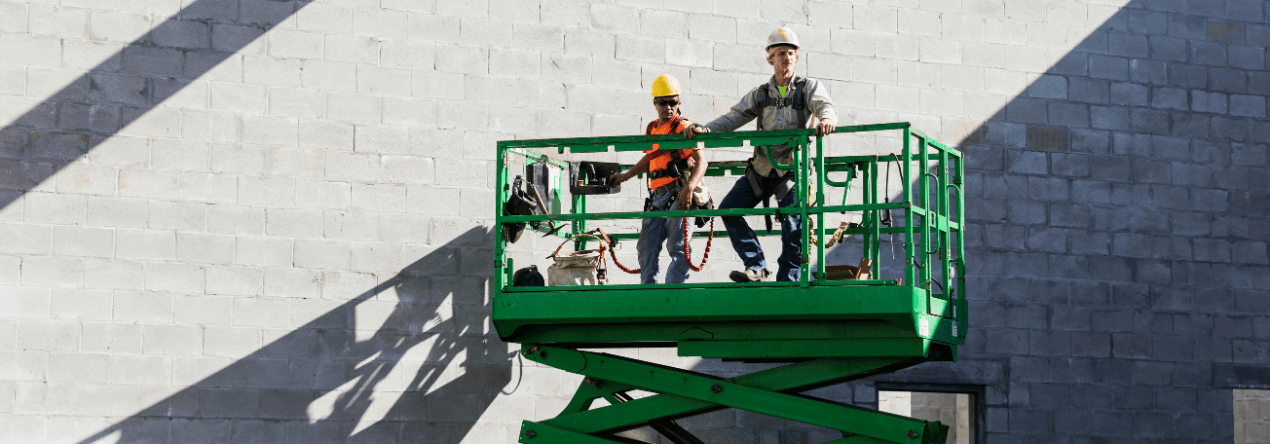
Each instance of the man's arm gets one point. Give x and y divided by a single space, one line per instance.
740 114
639 168
826 112
694 178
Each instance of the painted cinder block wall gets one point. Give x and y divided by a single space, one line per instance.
270 221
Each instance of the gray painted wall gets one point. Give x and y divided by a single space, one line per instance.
269 221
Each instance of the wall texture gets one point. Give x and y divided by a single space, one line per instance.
1252 416
269 220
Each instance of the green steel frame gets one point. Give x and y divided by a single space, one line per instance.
684 393
831 330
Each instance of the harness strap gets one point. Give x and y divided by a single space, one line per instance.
800 102
781 188
676 155
765 98
674 168
753 178
673 123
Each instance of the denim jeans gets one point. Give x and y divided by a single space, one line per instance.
653 233
745 241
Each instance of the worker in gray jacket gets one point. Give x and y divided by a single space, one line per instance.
786 101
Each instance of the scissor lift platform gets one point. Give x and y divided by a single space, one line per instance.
829 331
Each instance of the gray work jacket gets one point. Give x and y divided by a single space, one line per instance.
777 117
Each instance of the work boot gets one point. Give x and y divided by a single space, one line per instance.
750 275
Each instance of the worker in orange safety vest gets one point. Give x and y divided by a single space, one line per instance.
672 175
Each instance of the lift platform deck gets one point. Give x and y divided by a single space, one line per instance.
828 330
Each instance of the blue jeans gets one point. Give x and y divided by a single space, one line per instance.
745 241
653 233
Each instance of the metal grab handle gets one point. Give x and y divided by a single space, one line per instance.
960 260
926 219
959 197
845 183
774 163
926 199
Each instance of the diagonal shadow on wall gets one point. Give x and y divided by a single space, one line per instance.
130 83
316 384
322 368
1097 147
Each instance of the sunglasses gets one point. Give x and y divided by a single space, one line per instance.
660 102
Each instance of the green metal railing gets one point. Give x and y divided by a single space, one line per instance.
930 201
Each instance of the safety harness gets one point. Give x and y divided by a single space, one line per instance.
678 165
674 168
766 97
797 98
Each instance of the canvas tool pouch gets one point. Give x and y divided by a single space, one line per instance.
701 199
576 267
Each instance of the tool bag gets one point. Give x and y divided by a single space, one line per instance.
528 277
520 203
584 267
702 200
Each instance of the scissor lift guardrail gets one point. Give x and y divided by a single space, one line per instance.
831 330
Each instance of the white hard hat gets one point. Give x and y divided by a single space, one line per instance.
782 36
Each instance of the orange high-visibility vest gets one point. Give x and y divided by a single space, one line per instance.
662 159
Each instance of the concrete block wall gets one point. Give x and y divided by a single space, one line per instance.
1120 244
1252 416
269 220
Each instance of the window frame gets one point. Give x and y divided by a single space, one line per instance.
978 397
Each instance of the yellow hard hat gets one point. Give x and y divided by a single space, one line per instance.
666 85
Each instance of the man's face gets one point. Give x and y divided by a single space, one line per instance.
667 106
782 58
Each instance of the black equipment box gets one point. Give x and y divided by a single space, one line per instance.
593 178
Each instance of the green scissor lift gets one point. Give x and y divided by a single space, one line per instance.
829 331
